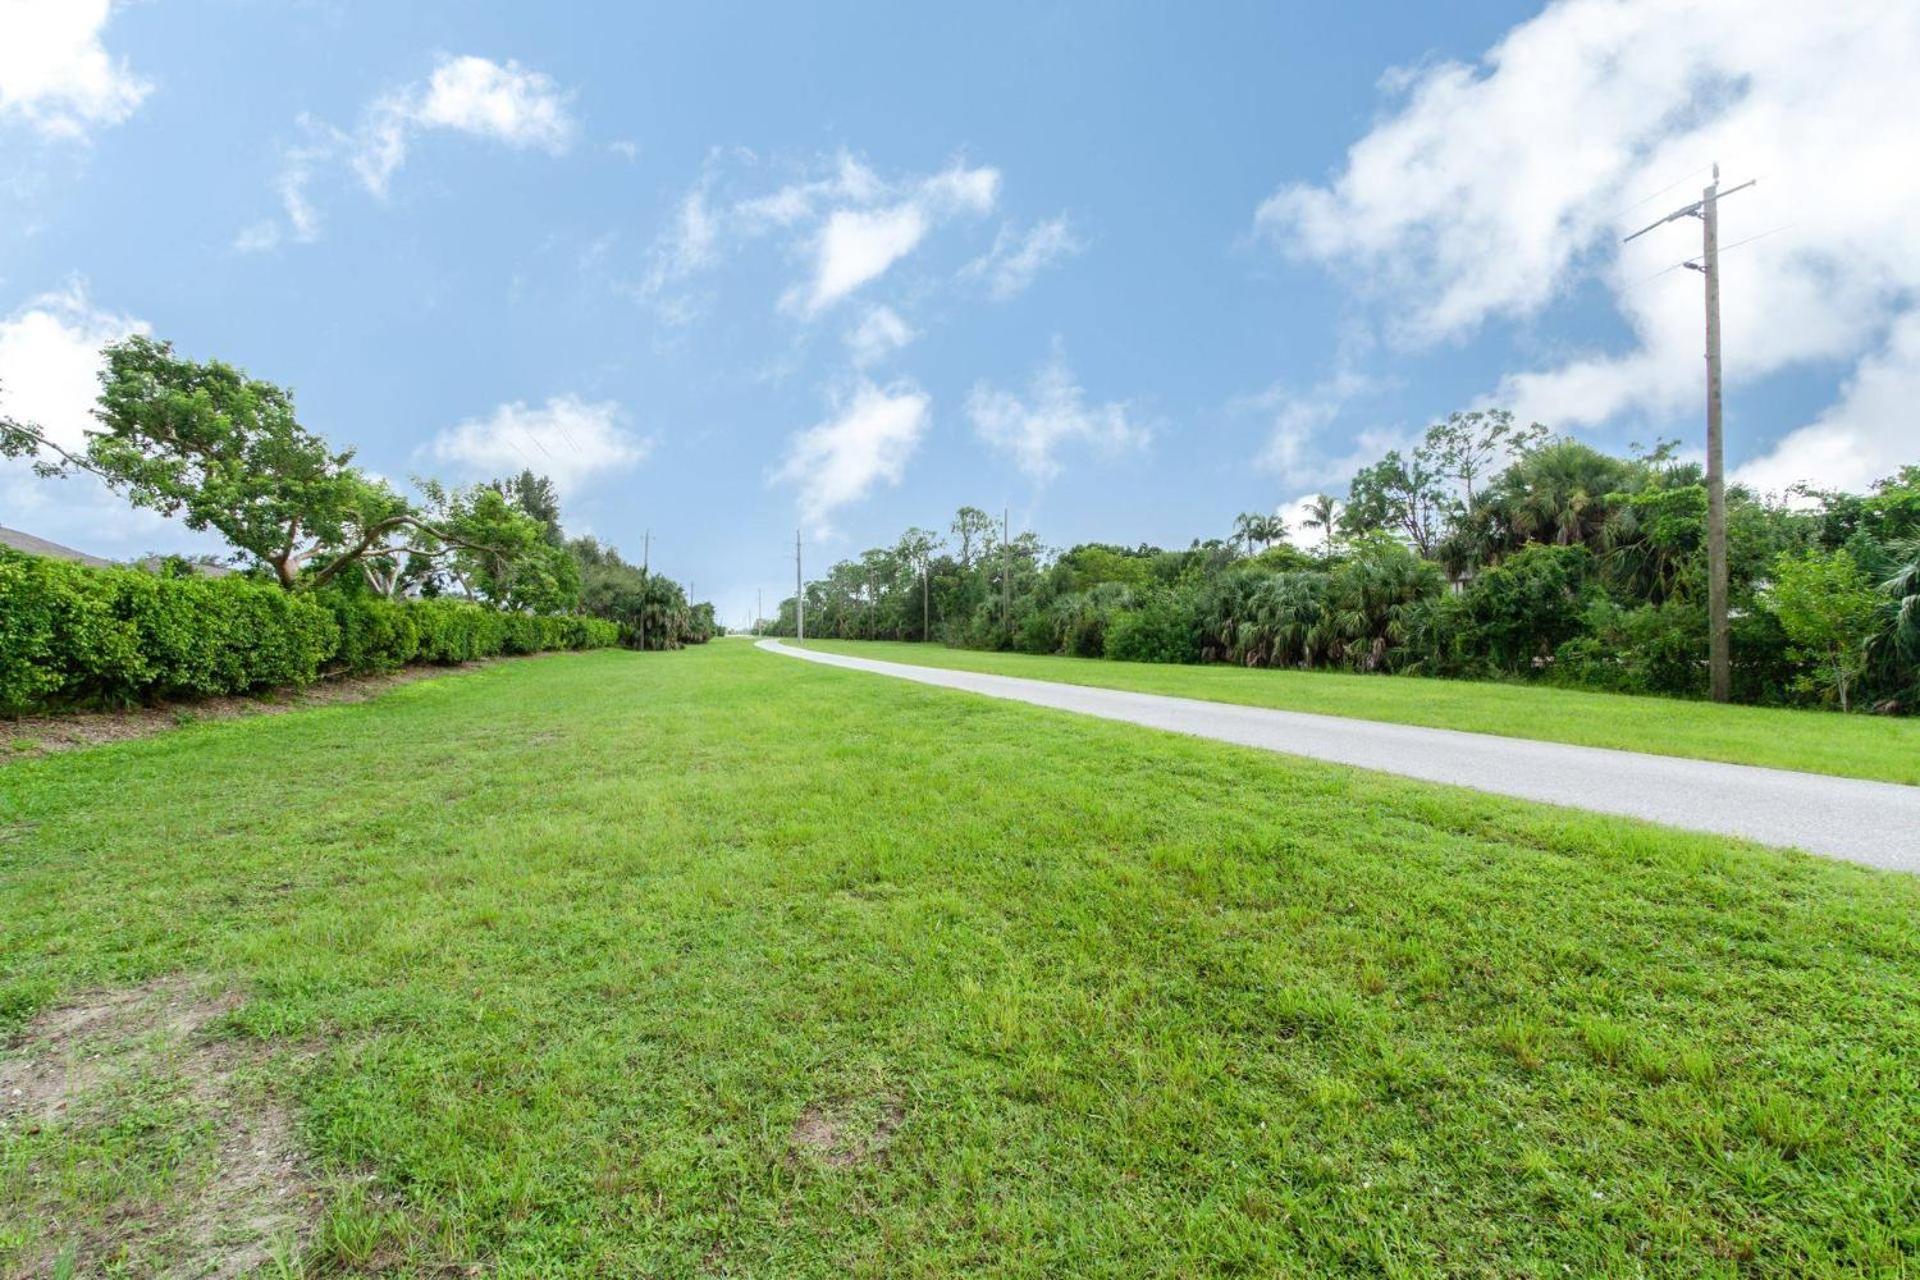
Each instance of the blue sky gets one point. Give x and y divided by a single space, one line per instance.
731 269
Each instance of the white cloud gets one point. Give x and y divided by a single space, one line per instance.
1860 438
1491 191
1295 514
867 441
50 361
878 336
499 102
569 440
505 103
1010 266
55 72
859 245
50 366
849 224
1298 418
1053 413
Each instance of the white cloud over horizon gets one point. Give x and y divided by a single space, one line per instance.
872 433
1491 192
56 75
571 441
50 363
1053 413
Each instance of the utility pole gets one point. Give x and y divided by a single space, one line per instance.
799 593
646 584
1707 209
926 596
756 611
1006 573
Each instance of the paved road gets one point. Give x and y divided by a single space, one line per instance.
1876 823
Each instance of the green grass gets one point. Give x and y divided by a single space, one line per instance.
553 961
1880 748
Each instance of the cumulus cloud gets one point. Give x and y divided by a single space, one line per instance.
858 245
845 221
569 440
501 102
1299 418
1015 258
881 333
498 102
1296 514
1053 413
50 366
56 75
867 441
1490 191
50 361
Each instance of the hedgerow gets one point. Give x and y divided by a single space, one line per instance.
71 635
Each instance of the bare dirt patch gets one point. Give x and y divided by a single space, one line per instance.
846 1135
25 737
240 1197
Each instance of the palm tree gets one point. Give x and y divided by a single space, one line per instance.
1247 527
1322 513
1273 529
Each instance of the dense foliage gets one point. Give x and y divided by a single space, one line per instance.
1490 551
71 634
225 452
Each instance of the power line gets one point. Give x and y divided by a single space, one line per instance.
1682 180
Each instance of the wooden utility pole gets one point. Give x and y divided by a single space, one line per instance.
926 596
1719 646
799 593
1006 572
646 584
1719 649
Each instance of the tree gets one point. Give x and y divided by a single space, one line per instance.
1467 445
225 452
537 498
971 525
1248 528
1828 608
1323 513
915 549
1399 495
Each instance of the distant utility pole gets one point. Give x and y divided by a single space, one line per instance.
799 593
756 611
1006 572
1707 209
926 596
646 583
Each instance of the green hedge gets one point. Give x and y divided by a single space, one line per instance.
74 635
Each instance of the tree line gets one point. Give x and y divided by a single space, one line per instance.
220 450
1490 549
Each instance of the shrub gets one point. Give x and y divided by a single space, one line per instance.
71 634
1161 628
74 635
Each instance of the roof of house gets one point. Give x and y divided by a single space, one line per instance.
52 550
37 546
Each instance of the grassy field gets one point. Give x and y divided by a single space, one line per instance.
1875 747
716 963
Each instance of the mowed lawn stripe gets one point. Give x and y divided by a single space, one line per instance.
714 963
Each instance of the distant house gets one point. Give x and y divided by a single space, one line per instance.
15 540
33 546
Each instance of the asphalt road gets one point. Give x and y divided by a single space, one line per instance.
1875 823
